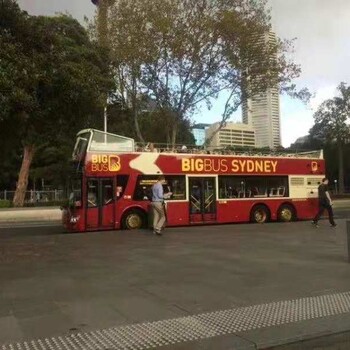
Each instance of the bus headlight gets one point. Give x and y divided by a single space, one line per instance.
74 219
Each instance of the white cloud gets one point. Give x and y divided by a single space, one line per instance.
322 49
322 31
296 120
295 125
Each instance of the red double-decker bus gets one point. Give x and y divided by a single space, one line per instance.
112 182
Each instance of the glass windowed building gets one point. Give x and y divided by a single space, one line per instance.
232 134
198 132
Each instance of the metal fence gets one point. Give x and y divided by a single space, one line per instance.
36 196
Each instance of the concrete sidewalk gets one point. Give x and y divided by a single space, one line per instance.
38 214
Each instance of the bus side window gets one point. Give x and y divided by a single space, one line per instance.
92 195
122 181
107 191
177 185
278 186
231 187
75 199
143 188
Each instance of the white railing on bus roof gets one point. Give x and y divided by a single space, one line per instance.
184 149
125 144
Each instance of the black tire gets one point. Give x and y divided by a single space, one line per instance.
260 214
134 219
286 213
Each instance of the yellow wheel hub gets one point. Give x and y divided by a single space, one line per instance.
286 214
134 221
260 216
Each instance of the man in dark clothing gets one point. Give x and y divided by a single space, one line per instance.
324 202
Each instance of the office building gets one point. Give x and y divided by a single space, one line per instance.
231 135
262 111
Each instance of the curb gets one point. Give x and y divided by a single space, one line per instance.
15 216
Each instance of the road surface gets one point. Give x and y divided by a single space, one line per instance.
211 287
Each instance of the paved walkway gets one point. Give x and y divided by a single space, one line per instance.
53 214
342 203
39 214
212 287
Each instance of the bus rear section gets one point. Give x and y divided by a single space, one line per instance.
230 198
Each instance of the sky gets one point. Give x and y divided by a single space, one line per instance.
322 49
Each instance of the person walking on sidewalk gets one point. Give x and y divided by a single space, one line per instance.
158 207
324 203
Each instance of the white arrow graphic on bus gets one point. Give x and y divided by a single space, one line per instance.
145 163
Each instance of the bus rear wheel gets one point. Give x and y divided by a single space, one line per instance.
134 219
286 213
260 214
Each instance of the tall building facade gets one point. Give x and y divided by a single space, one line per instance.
262 111
233 134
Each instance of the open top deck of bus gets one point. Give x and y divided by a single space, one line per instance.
91 140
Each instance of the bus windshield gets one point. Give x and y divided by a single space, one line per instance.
81 146
105 142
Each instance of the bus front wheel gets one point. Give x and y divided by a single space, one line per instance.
260 214
134 219
286 213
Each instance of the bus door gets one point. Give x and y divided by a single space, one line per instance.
202 199
99 204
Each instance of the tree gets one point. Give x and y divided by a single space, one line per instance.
156 125
184 53
52 81
331 125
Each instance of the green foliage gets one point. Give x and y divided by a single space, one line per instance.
332 116
331 126
5 204
53 82
310 144
53 78
10 160
52 163
156 126
332 133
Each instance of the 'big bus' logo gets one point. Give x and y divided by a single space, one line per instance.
104 163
